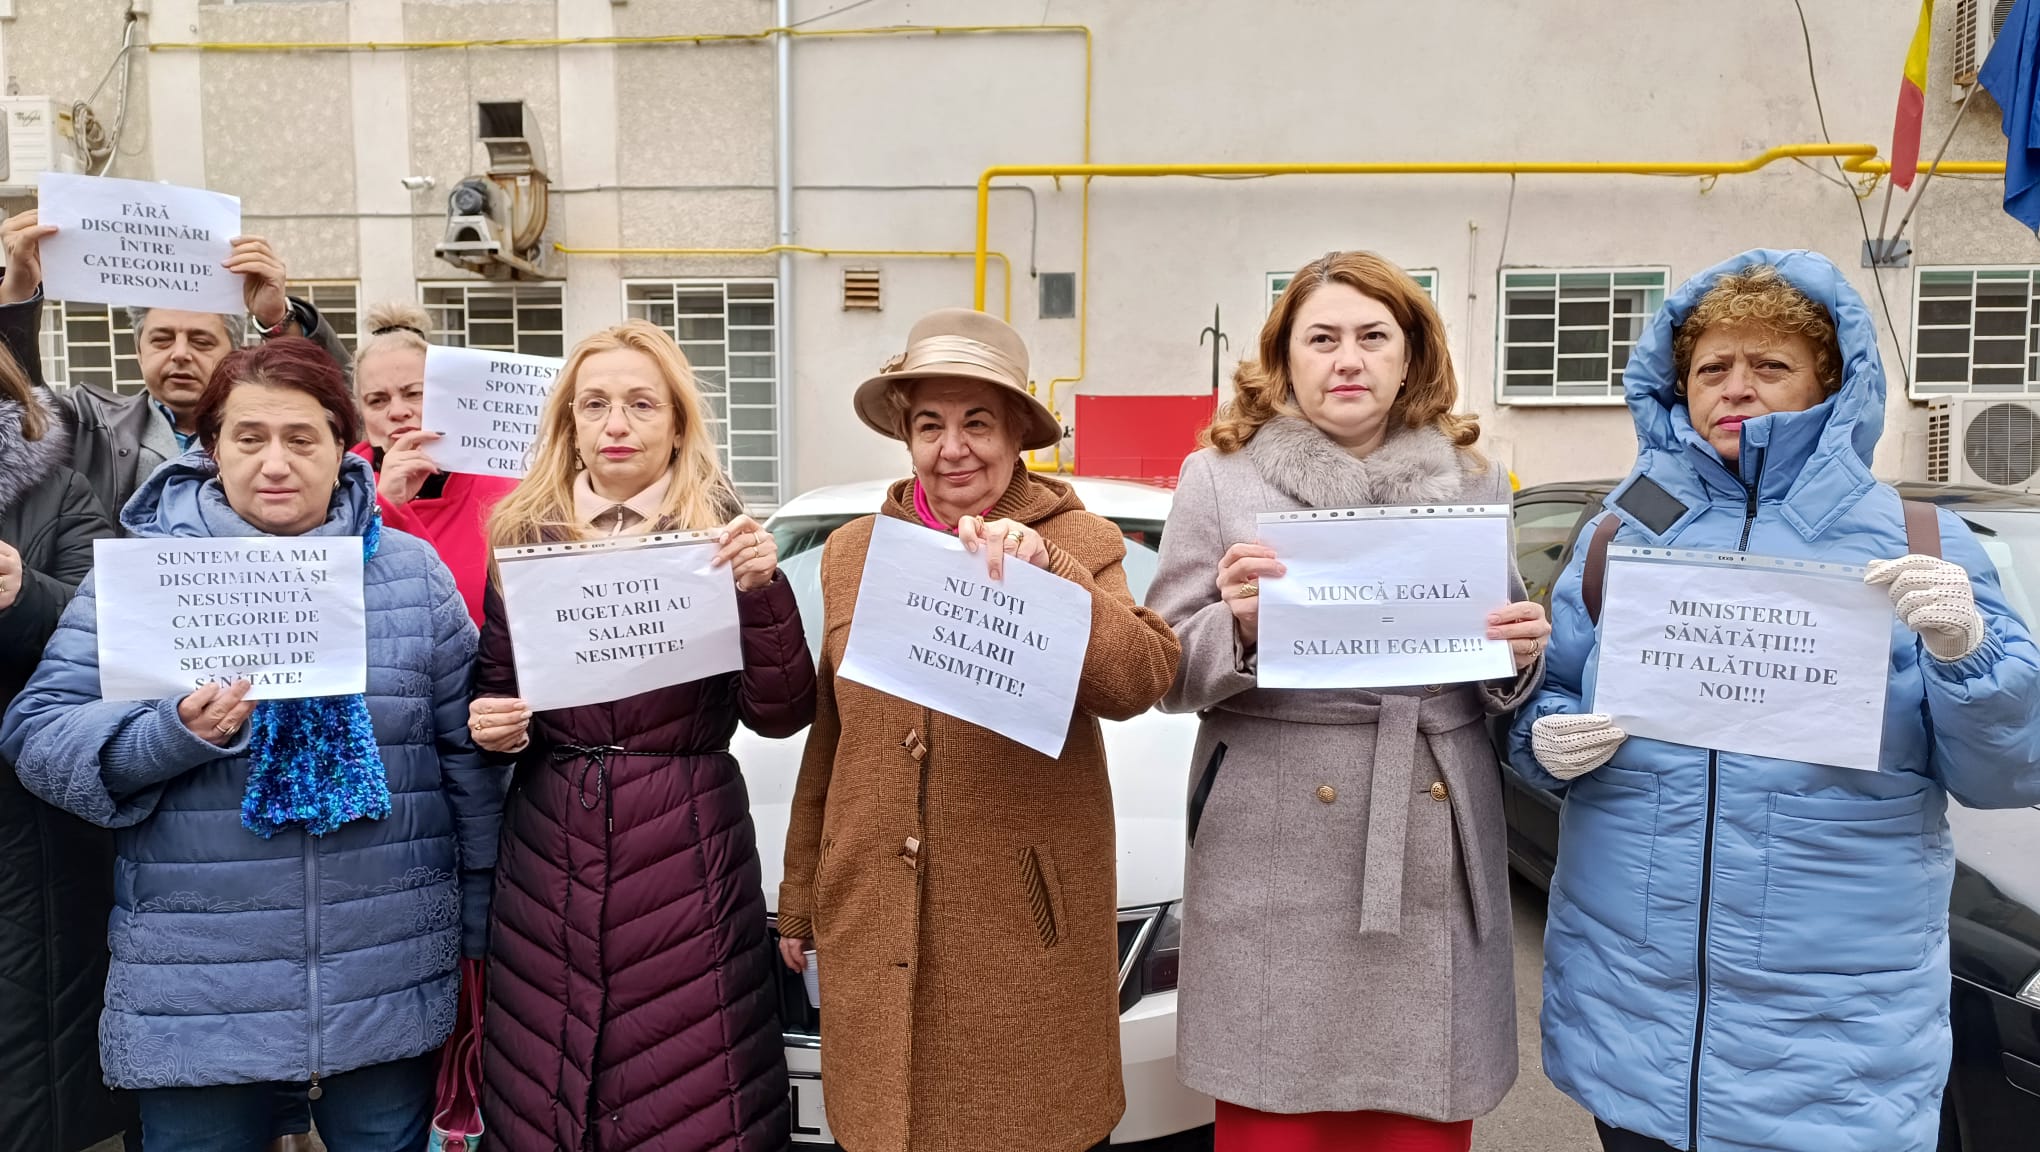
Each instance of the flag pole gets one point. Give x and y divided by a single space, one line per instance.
1889 245
1884 217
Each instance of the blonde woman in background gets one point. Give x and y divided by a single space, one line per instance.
448 510
631 1000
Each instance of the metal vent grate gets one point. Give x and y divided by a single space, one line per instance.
1940 426
2001 445
1966 61
860 290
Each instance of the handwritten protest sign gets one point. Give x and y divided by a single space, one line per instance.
485 407
598 621
282 612
931 626
1773 657
140 244
1379 597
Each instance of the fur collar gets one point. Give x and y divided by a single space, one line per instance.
24 464
1413 466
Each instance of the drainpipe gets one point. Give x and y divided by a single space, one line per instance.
782 313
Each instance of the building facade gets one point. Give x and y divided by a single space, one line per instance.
659 135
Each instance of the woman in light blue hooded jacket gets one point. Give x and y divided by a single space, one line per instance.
1748 954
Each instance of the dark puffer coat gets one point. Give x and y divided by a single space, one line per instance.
631 1000
56 871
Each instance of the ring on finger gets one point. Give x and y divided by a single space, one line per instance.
1247 589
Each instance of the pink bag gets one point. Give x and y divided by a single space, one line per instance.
457 1107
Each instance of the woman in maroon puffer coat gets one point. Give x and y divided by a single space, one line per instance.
631 991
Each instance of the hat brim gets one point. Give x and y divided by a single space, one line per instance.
1042 429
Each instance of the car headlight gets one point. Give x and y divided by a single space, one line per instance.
2031 992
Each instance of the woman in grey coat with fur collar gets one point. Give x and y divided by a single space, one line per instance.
1346 944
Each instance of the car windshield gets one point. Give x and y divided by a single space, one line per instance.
800 541
2012 541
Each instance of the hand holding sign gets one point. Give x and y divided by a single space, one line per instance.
1000 539
21 237
750 550
1239 585
215 712
405 468
264 278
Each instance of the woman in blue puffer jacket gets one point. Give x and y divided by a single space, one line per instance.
296 880
1748 954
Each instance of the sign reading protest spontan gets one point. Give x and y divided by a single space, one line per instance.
485 407
1772 657
932 627
1380 597
141 244
598 621
282 612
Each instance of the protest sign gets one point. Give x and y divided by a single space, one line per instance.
601 620
1381 597
140 244
485 407
1773 657
931 626
282 612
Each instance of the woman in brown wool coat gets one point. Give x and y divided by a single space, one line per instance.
959 887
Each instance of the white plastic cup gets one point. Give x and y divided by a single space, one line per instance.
812 977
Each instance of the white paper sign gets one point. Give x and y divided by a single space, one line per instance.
932 627
136 243
602 620
282 612
485 407
1773 657
1383 597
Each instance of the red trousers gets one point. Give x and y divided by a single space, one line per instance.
1245 1130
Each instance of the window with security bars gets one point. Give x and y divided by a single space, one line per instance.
527 318
1565 333
95 344
1426 278
727 329
1976 331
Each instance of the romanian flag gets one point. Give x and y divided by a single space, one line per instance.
1912 101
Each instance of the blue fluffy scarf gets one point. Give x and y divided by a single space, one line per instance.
314 761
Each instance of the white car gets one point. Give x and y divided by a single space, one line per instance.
1149 761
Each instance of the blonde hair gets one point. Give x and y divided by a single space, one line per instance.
698 495
1760 297
1262 388
390 326
15 385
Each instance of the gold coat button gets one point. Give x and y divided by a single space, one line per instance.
1327 793
1438 791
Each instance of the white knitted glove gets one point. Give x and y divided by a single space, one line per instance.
1574 745
1934 599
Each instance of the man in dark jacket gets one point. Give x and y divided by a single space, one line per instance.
119 439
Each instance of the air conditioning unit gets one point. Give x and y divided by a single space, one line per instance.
1990 442
1977 24
33 144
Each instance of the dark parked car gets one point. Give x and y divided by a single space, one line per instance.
1993 1098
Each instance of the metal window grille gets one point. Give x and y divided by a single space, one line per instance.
1565 334
727 329
93 343
1426 278
89 344
1976 331
525 318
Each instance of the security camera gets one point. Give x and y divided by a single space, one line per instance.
418 183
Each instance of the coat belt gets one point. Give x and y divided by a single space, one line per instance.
1399 720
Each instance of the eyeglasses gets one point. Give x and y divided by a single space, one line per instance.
595 409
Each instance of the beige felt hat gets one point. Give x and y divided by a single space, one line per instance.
952 344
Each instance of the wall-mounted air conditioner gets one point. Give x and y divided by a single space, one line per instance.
1976 440
33 144
1977 24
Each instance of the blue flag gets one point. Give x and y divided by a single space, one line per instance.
2012 77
